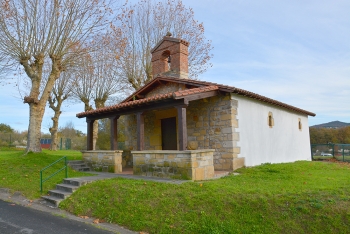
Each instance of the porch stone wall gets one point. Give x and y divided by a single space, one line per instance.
104 160
189 164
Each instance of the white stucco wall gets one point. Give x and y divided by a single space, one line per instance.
259 143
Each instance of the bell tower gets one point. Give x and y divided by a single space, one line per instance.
170 58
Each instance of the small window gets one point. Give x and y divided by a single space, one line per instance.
300 125
270 120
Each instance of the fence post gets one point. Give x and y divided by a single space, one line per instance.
41 182
65 163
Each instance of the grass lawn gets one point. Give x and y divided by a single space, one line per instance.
21 172
301 197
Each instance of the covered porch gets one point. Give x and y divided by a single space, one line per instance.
171 158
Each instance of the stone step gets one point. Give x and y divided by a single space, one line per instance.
59 194
66 187
83 169
75 182
72 162
219 174
54 201
79 165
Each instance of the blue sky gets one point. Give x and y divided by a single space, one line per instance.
297 52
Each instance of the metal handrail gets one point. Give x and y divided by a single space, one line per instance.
41 171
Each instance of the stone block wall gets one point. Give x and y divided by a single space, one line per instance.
130 132
166 88
104 160
189 164
211 124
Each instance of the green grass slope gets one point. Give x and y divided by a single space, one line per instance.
301 197
20 172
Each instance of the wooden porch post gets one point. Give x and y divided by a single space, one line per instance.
90 123
182 127
140 131
114 132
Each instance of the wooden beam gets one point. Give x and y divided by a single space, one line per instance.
140 131
182 126
142 108
90 123
114 132
198 96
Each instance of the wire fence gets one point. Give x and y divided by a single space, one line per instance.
12 140
19 141
340 152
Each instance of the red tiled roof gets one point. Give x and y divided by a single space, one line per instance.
224 88
201 87
157 97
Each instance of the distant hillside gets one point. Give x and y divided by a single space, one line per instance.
333 124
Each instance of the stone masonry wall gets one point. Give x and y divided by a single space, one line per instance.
211 124
189 164
104 160
166 88
130 132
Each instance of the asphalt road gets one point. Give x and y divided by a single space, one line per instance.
19 219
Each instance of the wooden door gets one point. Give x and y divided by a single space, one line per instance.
169 137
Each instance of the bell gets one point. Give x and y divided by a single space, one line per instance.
169 59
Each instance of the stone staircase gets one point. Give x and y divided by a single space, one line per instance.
78 165
68 186
63 190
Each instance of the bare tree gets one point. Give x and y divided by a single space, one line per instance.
107 76
146 23
61 91
99 78
84 82
34 31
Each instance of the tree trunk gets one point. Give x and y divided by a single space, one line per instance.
54 130
54 140
36 112
36 105
99 103
55 119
